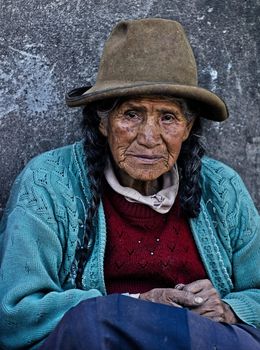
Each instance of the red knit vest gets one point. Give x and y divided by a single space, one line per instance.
146 249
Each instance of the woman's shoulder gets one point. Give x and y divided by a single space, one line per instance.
220 182
56 163
51 177
218 175
212 168
55 158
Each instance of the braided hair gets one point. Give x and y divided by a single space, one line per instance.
96 153
95 148
189 165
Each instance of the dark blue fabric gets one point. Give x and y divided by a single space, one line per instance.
207 334
120 323
117 322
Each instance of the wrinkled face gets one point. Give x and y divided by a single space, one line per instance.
145 136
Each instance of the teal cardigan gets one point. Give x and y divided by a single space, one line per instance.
45 217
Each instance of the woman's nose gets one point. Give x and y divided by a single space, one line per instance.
149 135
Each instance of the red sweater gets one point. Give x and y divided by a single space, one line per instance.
146 249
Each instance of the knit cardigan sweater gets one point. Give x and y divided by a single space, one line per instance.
45 218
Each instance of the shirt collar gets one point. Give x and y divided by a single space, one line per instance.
161 202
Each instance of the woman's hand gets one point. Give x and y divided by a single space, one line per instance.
172 297
199 296
212 306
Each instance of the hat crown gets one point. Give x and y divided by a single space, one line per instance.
148 50
149 56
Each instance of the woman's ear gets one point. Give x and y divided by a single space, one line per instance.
103 127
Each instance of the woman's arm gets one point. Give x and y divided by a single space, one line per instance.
237 224
36 253
31 295
244 299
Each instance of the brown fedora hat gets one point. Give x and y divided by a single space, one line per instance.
149 56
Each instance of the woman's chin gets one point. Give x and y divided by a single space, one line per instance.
145 173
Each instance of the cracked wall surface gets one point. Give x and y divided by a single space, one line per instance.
50 47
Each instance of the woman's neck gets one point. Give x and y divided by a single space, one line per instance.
146 188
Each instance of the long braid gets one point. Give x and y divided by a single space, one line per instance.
95 146
189 164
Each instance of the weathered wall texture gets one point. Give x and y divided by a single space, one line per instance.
48 47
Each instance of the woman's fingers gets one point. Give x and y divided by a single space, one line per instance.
198 286
199 296
172 296
212 306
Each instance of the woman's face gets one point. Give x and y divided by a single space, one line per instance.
145 136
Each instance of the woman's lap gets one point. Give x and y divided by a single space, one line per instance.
207 334
122 323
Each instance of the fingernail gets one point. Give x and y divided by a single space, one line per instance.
179 286
198 300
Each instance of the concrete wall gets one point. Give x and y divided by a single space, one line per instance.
49 47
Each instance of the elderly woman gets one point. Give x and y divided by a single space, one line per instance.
133 239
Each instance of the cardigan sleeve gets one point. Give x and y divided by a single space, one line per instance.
244 226
235 223
34 249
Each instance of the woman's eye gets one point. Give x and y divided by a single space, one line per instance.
168 118
131 114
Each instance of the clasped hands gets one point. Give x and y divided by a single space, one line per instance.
199 296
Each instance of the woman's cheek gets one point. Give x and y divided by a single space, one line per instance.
174 151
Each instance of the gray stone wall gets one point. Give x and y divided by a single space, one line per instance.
49 47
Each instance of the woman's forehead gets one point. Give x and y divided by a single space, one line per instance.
151 99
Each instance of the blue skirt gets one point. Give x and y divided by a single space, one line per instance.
118 322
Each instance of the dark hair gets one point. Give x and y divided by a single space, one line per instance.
96 153
95 147
189 165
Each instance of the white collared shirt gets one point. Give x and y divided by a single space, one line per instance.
162 201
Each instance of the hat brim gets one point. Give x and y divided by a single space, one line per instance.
210 105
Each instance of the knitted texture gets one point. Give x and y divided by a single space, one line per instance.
45 219
145 249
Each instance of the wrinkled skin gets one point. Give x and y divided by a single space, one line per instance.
145 137
199 296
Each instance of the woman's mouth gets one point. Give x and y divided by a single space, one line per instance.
146 158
